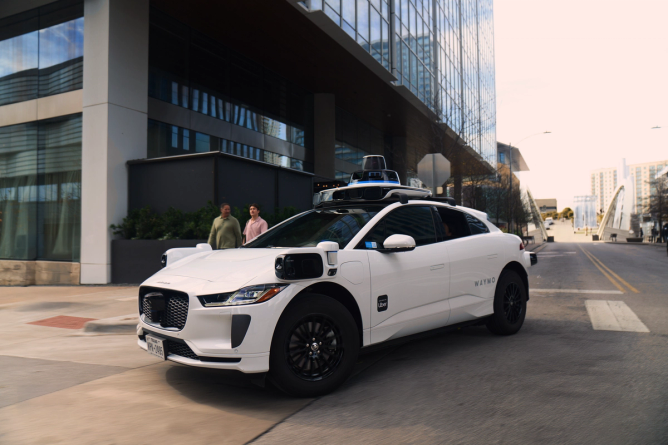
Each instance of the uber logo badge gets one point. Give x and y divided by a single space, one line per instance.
382 303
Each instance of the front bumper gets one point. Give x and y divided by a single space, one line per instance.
233 337
247 363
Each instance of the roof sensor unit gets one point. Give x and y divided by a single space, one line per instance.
373 162
374 170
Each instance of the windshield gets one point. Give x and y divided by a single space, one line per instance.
308 229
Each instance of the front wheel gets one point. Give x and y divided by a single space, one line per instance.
314 348
510 305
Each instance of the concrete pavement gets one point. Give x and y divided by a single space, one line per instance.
65 386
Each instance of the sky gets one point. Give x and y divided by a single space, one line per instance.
595 74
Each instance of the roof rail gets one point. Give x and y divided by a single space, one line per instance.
446 200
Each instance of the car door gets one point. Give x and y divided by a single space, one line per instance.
409 289
475 257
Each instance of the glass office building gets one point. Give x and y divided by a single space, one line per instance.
108 107
441 50
41 55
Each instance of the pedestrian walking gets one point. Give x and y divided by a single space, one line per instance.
655 234
665 235
256 225
225 230
642 236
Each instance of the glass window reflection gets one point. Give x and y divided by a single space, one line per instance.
41 52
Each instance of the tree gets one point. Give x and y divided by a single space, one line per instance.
566 213
657 202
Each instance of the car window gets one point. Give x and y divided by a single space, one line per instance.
308 229
414 221
476 225
451 224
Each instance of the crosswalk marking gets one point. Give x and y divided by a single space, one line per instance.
613 316
575 291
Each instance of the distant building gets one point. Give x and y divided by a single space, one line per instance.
604 182
546 205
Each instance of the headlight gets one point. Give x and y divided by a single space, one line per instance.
247 295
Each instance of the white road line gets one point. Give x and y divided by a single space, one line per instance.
126 299
613 316
575 291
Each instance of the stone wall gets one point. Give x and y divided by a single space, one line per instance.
27 273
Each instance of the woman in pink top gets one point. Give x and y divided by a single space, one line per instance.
255 225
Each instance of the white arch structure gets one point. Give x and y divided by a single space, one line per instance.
535 212
619 209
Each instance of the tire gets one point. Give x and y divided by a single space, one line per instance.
510 305
303 367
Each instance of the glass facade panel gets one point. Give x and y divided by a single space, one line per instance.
170 140
41 52
40 190
190 70
443 53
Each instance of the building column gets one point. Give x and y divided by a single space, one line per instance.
324 134
396 159
115 106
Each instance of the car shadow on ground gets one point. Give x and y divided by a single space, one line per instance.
231 391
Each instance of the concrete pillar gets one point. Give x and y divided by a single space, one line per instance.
397 159
457 179
115 106
324 134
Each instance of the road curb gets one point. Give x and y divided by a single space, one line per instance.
125 324
660 245
539 248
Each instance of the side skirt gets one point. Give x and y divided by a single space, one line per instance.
420 335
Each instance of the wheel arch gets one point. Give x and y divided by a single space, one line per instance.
340 294
521 271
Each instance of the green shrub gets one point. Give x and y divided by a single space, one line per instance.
176 224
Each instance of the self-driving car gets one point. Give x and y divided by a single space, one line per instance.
370 263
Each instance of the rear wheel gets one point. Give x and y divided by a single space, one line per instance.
315 346
510 305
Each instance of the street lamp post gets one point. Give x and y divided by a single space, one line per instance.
510 182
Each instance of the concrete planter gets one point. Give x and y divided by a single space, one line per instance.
133 261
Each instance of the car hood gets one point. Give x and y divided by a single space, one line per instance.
234 267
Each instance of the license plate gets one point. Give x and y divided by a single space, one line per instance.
156 346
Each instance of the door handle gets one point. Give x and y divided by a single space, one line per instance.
492 256
437 266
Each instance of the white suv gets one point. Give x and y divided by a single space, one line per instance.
301 300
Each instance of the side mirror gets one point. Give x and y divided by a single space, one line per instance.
398 243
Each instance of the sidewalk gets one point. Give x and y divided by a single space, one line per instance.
100 387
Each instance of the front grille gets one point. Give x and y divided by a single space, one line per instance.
181 349
176 313
171 307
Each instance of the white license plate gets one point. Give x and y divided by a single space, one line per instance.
156 346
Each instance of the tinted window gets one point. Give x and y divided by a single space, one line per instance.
476 225
414 221
451 224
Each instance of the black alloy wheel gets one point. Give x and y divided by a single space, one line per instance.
315 346
510 303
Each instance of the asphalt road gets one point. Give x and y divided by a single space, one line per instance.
558 381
